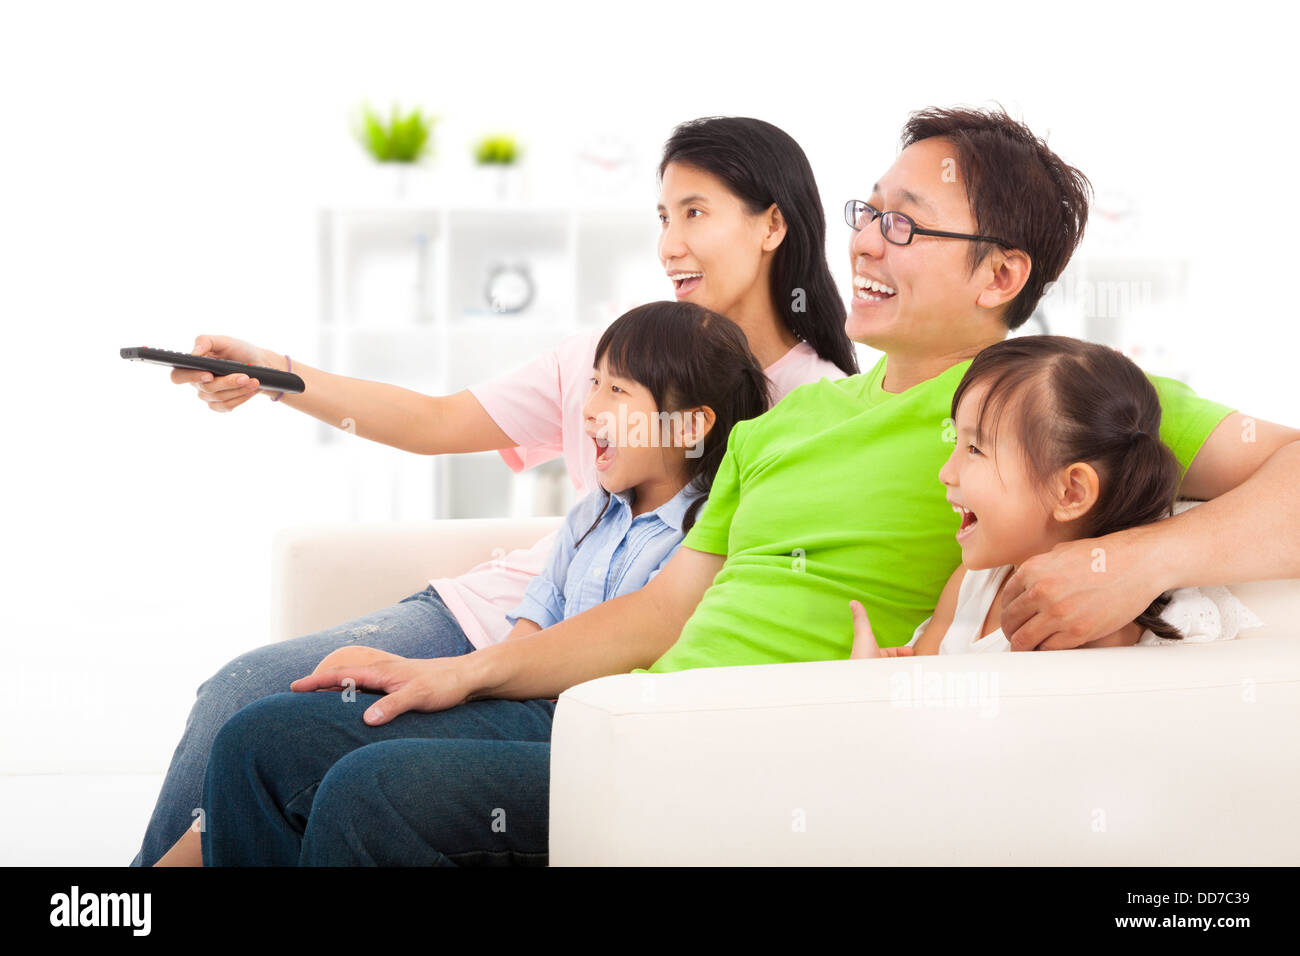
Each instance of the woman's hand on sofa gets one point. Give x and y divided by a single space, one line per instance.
864 641
424 685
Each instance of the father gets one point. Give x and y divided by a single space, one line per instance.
832 495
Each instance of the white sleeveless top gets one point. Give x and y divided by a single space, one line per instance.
974 598
1202 614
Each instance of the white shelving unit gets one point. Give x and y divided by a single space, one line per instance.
404 301
1135 303
1125 289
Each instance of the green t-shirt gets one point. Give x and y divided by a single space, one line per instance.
834 495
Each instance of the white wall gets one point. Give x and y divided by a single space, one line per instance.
163 164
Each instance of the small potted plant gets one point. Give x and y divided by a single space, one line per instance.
402 140
498 155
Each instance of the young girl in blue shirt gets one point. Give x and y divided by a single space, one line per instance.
670 380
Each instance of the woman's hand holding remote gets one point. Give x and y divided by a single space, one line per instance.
226 392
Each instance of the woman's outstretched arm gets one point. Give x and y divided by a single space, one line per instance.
389 414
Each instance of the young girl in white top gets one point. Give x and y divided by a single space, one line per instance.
1057 440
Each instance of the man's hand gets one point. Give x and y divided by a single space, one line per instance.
352 656
410 684
864 641
1080 591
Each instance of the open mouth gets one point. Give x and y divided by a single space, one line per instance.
604 453
870 290
685 282
968 520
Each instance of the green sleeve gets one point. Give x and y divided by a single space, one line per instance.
1186 419
712 529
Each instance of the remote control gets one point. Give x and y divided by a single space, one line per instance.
270 379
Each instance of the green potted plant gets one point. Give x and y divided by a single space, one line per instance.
498 154
500 150
401 139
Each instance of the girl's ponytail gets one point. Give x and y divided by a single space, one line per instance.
1153 622
1147 474
1143 479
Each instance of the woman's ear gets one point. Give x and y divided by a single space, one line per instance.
1074 491
696 425
775 225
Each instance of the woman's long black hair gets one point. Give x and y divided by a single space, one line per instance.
688 356
762 165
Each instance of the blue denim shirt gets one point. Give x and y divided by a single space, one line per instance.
619 556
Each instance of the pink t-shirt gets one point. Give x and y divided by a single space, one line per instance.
540 407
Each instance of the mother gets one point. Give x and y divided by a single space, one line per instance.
831 495
740 214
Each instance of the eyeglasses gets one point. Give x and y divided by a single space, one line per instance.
900 229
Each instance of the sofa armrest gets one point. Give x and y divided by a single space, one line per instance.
325 574
1116 756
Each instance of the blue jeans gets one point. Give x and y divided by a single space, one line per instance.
301 779
417 626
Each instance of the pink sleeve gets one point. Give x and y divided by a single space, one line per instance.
799 366
527 404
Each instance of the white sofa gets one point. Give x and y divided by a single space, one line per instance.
1121 756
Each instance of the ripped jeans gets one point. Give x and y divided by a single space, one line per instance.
417 626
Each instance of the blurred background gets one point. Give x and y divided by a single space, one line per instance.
177 169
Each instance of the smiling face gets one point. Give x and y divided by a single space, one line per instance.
713 249
921 298
632 454
1005 517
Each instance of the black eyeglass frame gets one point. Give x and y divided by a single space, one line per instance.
915 230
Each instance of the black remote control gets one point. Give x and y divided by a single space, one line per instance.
270 379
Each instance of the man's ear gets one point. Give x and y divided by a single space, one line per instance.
775 223
1074 491
1008 272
